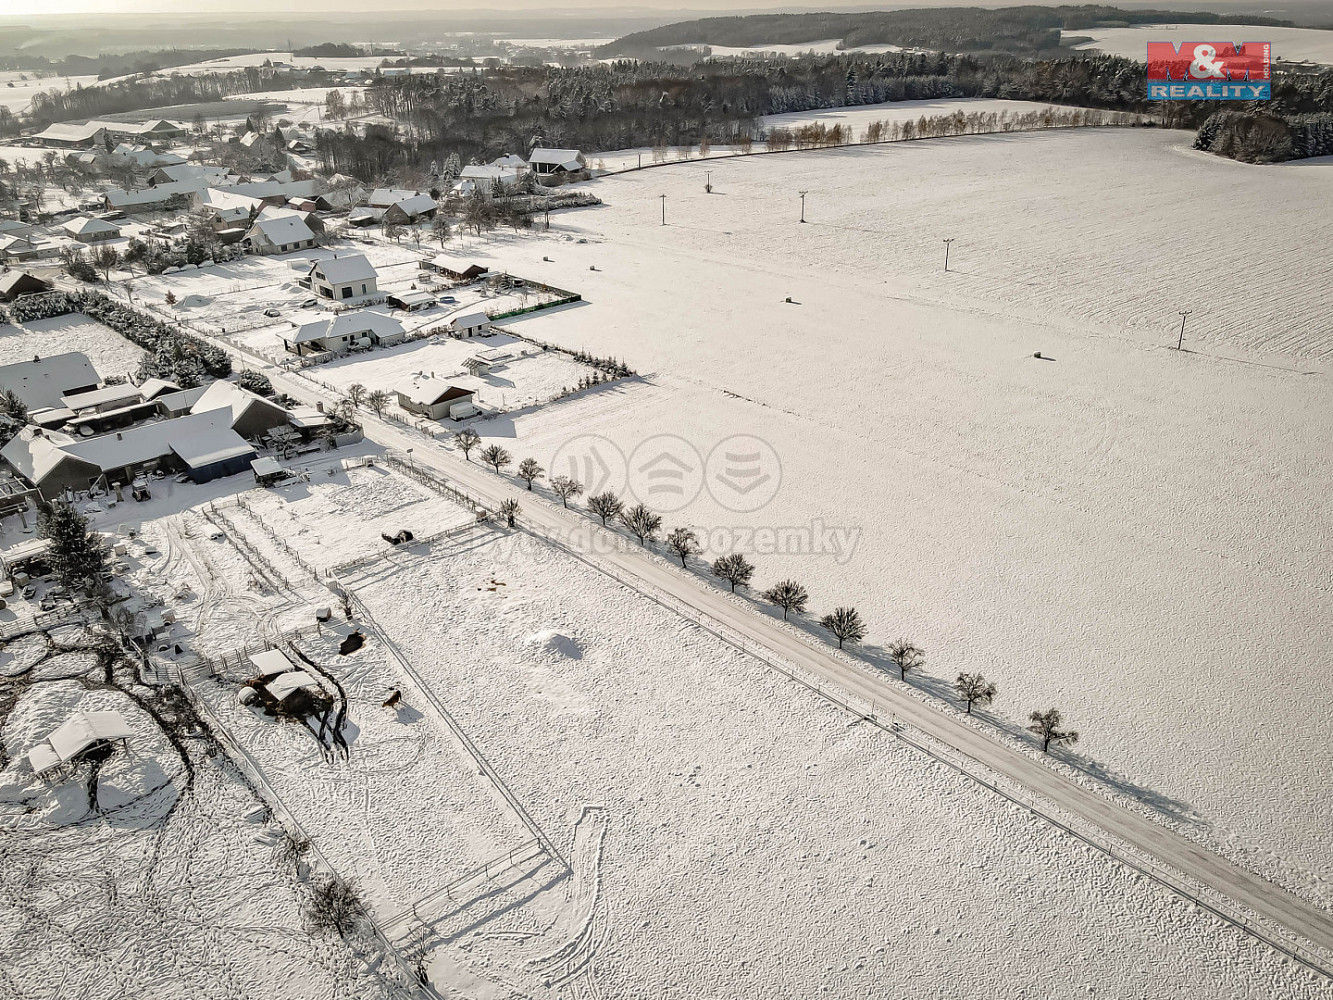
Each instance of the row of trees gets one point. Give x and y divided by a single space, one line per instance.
844 624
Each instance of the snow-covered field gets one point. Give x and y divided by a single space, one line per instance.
757 841
1291 44
17 89
110 353
1105 528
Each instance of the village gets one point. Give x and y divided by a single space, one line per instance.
444 587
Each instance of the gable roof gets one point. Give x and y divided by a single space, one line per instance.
384 197
80 731
89 227
340 270
348 324
570 159
431 391
118 198
470 318
283 229
42 382
224 395
65 132
416 205
21 281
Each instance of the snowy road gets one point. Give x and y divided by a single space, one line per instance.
1173 851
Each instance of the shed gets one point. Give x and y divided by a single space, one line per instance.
18 283
412 300
81 732
268 471
469 324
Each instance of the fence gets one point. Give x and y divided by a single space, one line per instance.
43 620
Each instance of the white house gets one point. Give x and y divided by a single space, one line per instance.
279 234
556 161
484 179
339 278
469 324
359 328
90 230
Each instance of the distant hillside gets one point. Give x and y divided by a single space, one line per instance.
1017 30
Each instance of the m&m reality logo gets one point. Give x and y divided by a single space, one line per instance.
1209 71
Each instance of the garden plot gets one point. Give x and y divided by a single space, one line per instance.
110 353
530 378
335 519
740 811
406 811
1096 529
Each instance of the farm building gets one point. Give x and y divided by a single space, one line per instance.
41 382
469 324
384 197
17 283
410 211
436 399
362 328
411 301
340 278
556 161
81 733
279 234
87 230
66 136
455 268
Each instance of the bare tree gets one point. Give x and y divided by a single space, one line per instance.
973 688
466 440
845 624
528 470
735 569
566 488
788 595
496 456
905 657
335 904
105 259
1047 725
509 511
605 505
440 227
378 401
641 522
356 393
684 543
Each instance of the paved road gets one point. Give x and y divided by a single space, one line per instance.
1153 840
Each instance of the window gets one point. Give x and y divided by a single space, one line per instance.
363 288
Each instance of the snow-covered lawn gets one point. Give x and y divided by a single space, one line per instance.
1116 528
1291 44
759 842
110 353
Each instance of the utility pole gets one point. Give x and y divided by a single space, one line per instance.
410 464
640 161
663 197
803 194
1181 339
946 252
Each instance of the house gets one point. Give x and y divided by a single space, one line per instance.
454 267
42 382
436 399
87 230
16 283
556 161
469 324
161 195
173 173
202 445
66 136
359 328
365 216
75 737
384 197
251 415
341 278
484 179
19 247
512 160
312 221
410 211
279 234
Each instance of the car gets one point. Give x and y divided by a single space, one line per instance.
272 312
309 303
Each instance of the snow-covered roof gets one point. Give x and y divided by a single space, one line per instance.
470 318
428 392
223 395
410 300
285 685
102 397
384 197
283 230
416 205
154 387
90 227
80 731
118 198
43 381
65 132
13 280
340 270
192 171
348 324
266 466
570 159
489 172
510 160
271 661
